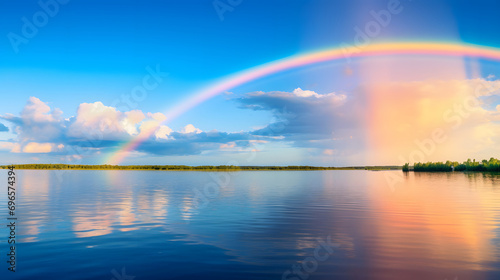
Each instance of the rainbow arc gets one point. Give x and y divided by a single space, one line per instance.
303 59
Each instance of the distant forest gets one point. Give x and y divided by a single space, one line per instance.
191 168
491 165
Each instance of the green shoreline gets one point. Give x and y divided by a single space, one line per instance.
491 165
192 168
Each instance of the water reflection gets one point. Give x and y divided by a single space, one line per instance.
436 220
37 186
430 226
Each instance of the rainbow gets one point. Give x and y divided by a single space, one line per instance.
337 53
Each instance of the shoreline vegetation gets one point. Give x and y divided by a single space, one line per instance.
491 165
192 168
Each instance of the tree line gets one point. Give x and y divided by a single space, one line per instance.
491 165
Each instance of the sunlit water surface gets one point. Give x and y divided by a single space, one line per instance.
254 225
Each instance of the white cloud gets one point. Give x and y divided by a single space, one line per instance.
191 129
96 117
34 147
334 97
111 124
303 112
305 93
38 127
130 121
157 116
36 122
37 111
163 132
391 120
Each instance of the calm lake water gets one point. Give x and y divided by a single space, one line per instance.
254 225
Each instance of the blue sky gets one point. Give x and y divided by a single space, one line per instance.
97 51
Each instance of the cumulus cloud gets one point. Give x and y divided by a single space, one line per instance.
300 111
306 119
130 121
105 120
163 132
191 129
384 119
34 147
37 122
38 111
97 127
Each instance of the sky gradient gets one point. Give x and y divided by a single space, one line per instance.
82 79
